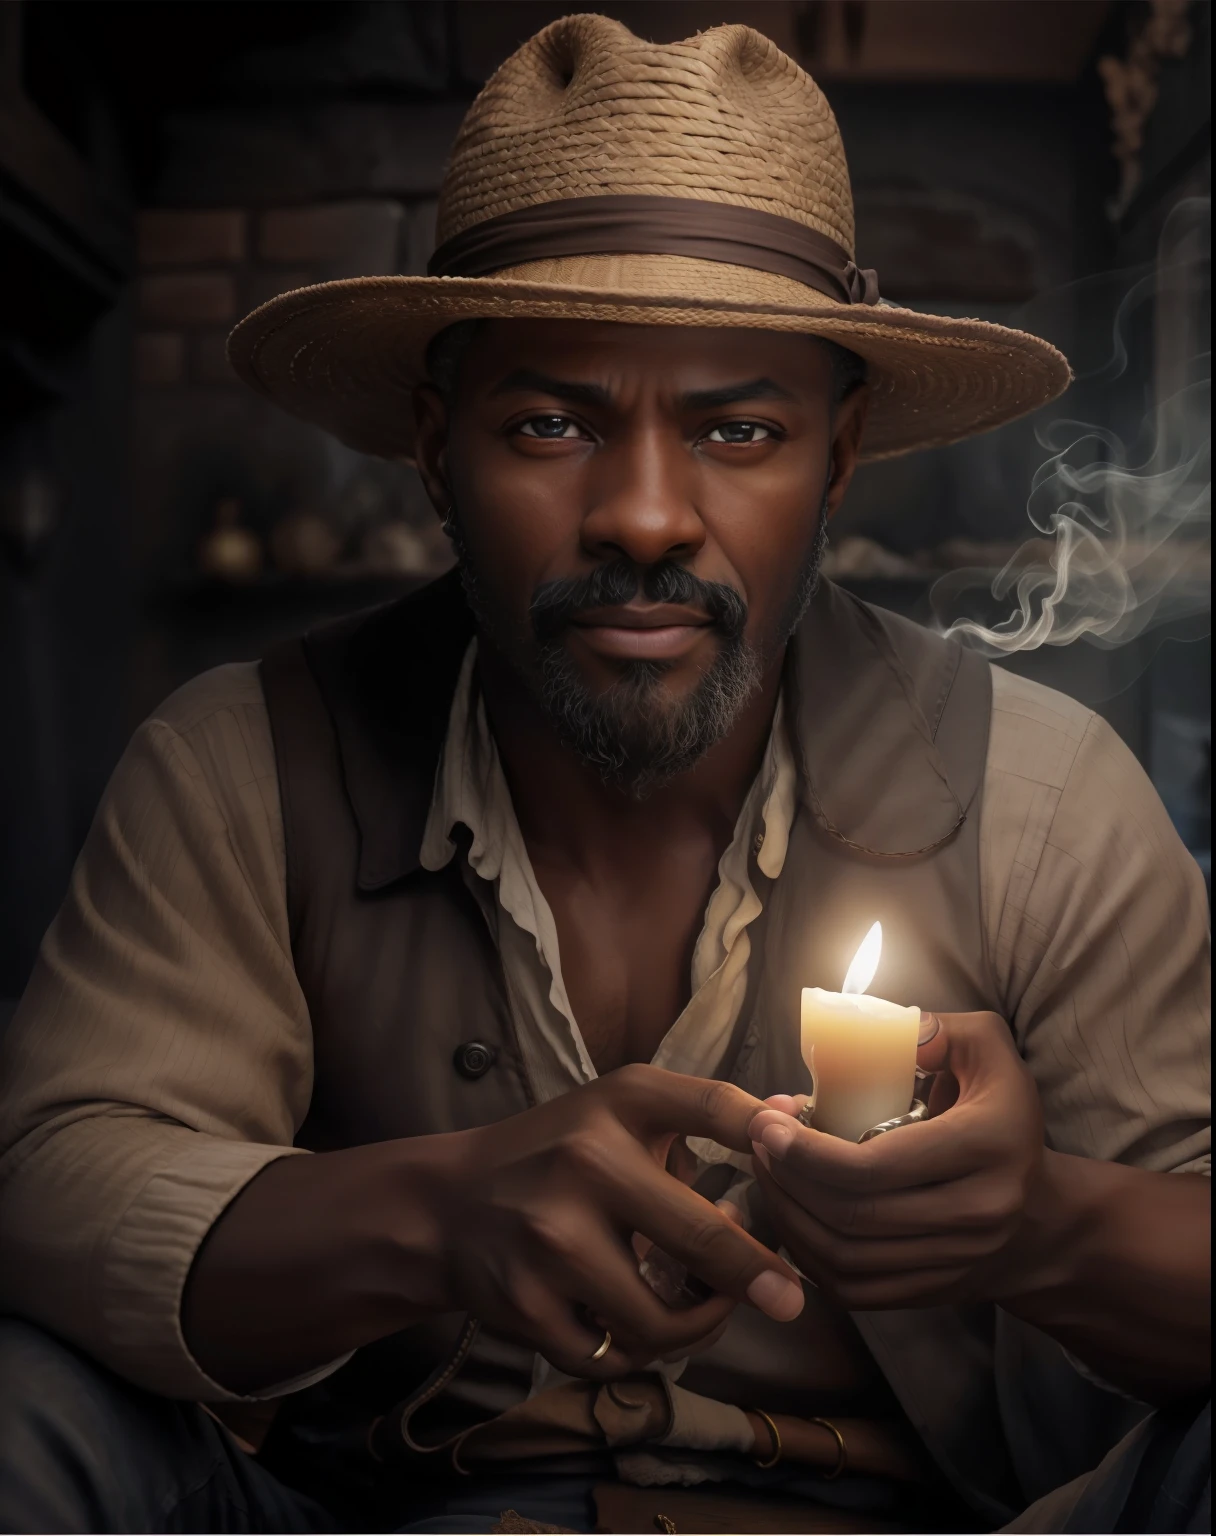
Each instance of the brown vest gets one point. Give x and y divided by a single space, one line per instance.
412 1027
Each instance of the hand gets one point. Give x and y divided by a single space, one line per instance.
925 1214
532 1222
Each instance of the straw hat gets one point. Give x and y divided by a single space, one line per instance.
601 177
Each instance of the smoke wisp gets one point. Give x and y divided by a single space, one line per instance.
1121 506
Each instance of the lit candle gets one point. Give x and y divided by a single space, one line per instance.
861 1051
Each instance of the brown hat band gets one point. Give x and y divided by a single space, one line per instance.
657 226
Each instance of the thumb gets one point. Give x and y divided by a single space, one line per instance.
969 1046
932 1048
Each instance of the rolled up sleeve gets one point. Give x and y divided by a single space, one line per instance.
162 1055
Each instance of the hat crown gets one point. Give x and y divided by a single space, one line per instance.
586 109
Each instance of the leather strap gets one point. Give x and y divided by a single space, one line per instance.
657 226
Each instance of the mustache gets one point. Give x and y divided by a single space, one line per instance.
556 603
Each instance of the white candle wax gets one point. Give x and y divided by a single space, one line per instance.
861 1051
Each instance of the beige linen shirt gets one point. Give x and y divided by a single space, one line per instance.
471 790
162 1054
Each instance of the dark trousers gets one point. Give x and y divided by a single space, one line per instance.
81 1450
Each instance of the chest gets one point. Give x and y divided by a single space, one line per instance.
627 942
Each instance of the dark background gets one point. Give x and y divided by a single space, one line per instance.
165 167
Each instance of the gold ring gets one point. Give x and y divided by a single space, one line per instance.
604 1347
842 1455
772 1460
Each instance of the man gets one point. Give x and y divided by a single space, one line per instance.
497 902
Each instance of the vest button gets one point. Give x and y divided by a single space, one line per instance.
474 1059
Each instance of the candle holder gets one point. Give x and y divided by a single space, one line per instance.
918 1111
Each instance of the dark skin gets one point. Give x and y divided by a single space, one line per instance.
642 471
1113 1262
713 448
530 1224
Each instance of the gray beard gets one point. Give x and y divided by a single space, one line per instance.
633 735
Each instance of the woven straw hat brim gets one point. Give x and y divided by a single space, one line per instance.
346 355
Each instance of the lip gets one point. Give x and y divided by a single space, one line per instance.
642 632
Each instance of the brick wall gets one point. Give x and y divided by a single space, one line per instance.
201 270
201 437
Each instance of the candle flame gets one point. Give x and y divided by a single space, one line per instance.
865 962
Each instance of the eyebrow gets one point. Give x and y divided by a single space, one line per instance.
734 394
524 379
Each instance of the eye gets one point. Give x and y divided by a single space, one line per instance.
550 428
739 433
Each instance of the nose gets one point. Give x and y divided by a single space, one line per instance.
643 505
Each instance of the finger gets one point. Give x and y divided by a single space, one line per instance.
974 1204
532 1312
637 1314
931 1047
943 1095
649 1100
709 1244
934 1151
850 1257
699 1347
862 1292
579 1254
977 1052
567 1318
672 1334
787 1103
970 1045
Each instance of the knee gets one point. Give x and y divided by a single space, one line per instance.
46 1385
70 1433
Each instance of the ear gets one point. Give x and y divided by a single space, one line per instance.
431 446
848 425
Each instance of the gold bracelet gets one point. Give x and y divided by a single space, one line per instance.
842 1455
772 1460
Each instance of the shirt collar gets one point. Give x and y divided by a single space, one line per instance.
468 782
866 692
871 689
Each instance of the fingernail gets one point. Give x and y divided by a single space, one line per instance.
760 1152
930 1024
777 1139
779 1298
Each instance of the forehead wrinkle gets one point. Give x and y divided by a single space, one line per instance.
523 380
